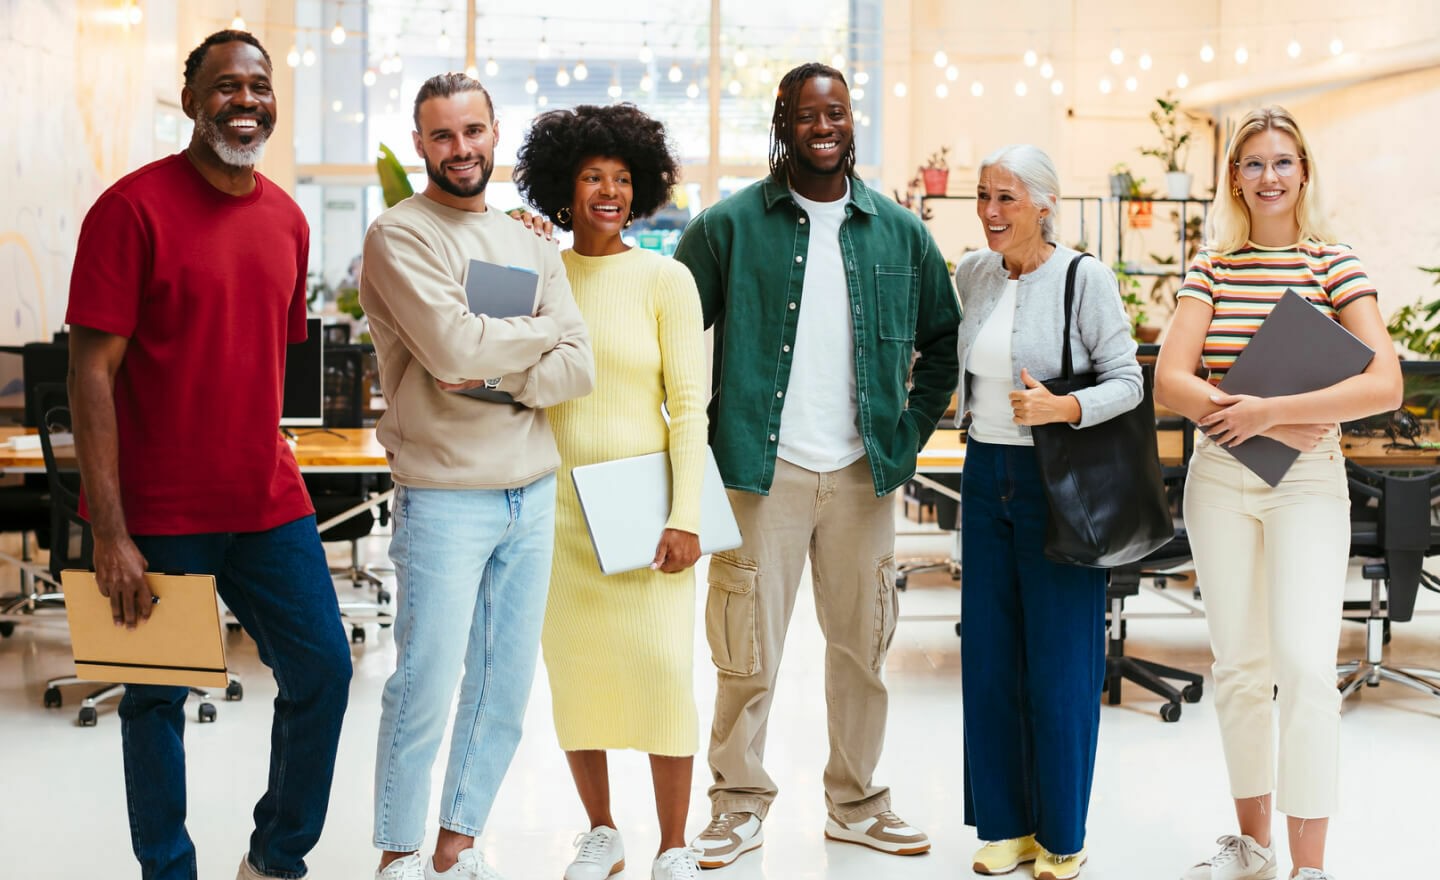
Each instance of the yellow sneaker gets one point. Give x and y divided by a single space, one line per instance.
1049 866
1004 856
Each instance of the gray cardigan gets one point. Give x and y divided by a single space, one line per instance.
1099 335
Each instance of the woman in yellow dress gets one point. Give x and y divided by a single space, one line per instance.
619 648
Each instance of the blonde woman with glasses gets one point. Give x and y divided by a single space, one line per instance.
1273 560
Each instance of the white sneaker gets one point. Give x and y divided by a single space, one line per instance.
404 868
469 866
677 864
598 854
1239 858
883 831
1313 874
726 838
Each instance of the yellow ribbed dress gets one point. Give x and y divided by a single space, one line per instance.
619 648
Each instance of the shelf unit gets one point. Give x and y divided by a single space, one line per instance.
1186 212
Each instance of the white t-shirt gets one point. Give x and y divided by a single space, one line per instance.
989 368
819 425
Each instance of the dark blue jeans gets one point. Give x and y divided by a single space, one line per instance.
278 585
1032 659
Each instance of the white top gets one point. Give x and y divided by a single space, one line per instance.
819 424
989 370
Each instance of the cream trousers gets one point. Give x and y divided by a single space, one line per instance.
1272 566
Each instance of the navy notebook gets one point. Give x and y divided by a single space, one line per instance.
1297 349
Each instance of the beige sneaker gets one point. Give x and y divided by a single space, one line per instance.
726 838
885 832
1004 856
1052 867
247 871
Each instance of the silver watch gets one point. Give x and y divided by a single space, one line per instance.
492 384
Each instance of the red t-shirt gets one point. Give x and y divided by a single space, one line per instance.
209 288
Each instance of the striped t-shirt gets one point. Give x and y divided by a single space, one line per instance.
1242 287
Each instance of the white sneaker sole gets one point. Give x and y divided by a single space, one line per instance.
845 835
614 869
707 861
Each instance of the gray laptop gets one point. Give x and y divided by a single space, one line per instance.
627 501
1297 349
499 292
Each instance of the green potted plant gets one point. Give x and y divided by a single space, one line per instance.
1173 126
936 173
1135 306
1417 326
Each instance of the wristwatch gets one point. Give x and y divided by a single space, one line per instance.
492 384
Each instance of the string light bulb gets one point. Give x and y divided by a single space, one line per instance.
581 71
733 88
1336 47
646 53
1207 53
1131 83
292 57
1031 58
900 90
442 42
1021 90
952 73
862 76
1047 69
1293 50
675 74
531 86
647 82
492 67
308 57
1056 87
337 33
1117 56
1182 81
692 91
1145 61
472 72
370 77
977 89
942 90
562 77
1241 55
238 22
1105 85
941 59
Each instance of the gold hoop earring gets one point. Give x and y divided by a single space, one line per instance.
630 219
1235 191
562 216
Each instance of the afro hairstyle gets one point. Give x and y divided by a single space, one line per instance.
559 140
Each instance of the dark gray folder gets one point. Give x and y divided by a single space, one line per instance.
1297 349
499 292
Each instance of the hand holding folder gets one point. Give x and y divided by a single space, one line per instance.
499 292
182 643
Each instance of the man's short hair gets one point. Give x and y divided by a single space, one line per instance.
219 38
445 85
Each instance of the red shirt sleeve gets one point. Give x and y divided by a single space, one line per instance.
112 264
297 301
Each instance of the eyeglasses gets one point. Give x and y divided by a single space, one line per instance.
1252 168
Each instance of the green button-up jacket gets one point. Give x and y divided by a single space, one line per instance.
748 255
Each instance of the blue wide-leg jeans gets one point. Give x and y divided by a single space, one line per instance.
278 585
1032 659
472 568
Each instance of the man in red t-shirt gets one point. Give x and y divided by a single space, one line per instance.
189 281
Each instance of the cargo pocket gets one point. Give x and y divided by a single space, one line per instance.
887 611
730 615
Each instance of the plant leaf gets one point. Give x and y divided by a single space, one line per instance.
394 183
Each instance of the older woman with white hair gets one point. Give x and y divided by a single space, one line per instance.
1033 645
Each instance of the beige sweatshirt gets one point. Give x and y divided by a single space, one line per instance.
412 287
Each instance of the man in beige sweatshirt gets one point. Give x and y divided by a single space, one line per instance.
475 507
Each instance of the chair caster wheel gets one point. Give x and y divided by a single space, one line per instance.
7 629
957 631
1170 712
1192 693
357 635
383 597
207 712
88 716
234 691
53 698
901 581
233 627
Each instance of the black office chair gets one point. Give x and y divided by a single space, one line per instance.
947 517
332 494
1395 535
72 546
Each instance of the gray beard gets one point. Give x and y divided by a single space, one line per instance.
236 157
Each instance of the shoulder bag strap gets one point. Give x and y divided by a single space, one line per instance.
1067 363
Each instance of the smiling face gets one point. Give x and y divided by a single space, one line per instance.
604 189
232 103
1011 220
822 129
1272 195
456 140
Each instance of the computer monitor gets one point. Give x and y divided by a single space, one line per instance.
305 379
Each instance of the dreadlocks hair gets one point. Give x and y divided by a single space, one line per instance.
447 85
782 122
219 38
560 140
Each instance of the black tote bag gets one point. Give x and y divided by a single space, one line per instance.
1103 483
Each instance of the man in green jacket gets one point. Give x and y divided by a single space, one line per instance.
835 327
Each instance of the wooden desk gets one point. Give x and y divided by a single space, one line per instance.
355 450
945 454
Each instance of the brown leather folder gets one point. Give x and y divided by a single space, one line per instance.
181 644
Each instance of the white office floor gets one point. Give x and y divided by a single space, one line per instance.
1160 793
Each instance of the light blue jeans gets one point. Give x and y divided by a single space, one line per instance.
473 570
